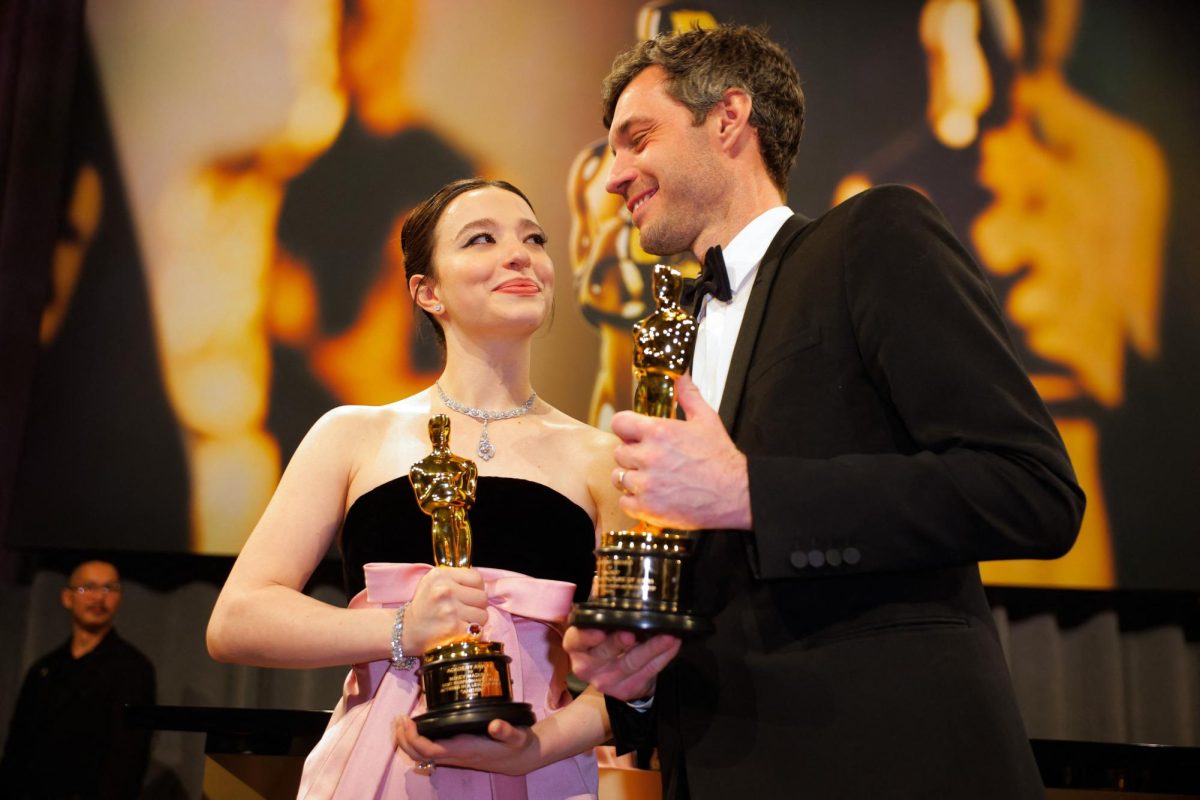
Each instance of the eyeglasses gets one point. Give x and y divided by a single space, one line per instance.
96 588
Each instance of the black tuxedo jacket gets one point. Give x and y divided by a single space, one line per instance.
893 441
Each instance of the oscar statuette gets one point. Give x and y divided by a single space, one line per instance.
642 582
466 681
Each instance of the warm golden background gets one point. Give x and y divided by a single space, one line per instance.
229 266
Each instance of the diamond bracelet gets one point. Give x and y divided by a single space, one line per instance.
399 660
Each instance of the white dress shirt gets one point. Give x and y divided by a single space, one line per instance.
721 321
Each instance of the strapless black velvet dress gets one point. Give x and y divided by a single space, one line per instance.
516 525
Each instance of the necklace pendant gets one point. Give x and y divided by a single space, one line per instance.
485 450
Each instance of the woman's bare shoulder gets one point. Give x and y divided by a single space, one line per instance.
345 425
592 441
591 456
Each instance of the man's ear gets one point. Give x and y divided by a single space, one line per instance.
733 114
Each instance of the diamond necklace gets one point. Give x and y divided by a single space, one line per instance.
486 449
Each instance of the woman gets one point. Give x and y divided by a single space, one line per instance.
477 267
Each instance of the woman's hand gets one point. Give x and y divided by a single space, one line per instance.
447 602
506 749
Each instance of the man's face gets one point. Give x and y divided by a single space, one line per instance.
665 168
92 595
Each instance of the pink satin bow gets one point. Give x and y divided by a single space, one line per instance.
356 757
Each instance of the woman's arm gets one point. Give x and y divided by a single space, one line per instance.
262 616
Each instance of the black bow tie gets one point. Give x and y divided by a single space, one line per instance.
713 279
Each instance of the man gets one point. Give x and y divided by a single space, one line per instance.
66 738
876 438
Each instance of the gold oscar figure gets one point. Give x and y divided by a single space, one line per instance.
641 576
466 681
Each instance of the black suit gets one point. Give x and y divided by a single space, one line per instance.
893 441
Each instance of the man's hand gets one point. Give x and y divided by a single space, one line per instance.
615 663
682 474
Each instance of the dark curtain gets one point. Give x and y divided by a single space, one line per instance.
40 43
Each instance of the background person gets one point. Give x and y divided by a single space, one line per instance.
67 738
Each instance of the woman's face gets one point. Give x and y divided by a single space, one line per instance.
493 274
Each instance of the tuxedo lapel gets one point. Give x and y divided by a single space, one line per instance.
739 364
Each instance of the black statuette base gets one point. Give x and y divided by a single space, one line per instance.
640 621
472 717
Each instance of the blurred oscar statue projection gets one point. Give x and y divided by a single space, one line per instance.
1081 198
612 272
272 236
1073 233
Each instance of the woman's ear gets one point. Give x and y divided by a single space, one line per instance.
424 294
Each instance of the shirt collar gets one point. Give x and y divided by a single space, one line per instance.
746 250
